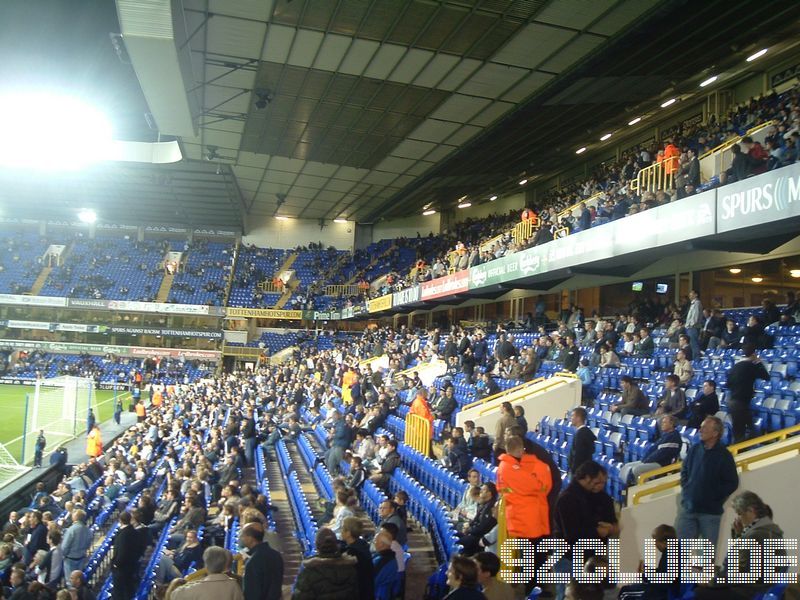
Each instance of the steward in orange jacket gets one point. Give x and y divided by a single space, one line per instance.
524 481
421 407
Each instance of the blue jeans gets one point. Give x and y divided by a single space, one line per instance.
690 525
564 565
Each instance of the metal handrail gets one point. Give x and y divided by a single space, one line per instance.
736 450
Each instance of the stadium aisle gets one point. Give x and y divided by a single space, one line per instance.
287 543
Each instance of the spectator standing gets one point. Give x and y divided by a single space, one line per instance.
582 441
584 511
525 482
708 477
216 585
90 421
572 356
94 443
76 543
741 381
356 546
263 572
507 420
329 573
125 559
694 321
41 444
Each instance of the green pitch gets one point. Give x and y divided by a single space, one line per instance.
12 412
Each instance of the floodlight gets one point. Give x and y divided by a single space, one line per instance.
708 81
429 212
580 150
605 137
758 54
49 131
340 220
87 215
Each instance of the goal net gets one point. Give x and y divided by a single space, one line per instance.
59 407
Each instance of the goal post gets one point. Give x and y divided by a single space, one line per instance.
59 406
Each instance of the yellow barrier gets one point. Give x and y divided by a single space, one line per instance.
726 145
735 449
523 231
418 434
657 177
550 385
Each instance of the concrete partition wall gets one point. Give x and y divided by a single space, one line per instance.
774 479
551 397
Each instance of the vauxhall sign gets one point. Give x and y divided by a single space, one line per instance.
768 197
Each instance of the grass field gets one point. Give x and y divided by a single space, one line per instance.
12 412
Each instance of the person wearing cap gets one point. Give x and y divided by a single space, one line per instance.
328 573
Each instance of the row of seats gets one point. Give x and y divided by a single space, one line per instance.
304 520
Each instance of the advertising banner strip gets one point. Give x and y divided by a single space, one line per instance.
100 349
267 313
445 286
406 296
769 197
379 304
32 300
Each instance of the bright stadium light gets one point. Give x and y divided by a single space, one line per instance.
464 204
735 270
87 215
52 132
605 137
795 273
758 54
429 212
757 279
340 220
669 102
634 121
708 81
580 150
281 218
523 181
492 198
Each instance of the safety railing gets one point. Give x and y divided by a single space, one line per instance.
241 351
524 230
229 283
548 386
742 462
660 176
418 434
504 393
592 200
342 290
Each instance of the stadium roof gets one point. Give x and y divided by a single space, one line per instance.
366 109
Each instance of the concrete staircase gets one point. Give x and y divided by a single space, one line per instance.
166 286
39 283
289 289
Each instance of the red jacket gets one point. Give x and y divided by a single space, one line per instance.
421 407
525 484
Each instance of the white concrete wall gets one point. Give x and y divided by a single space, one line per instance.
270 232
537 402
406 227
774 480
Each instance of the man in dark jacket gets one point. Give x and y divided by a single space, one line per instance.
741 379
388 513
583 441
127 552
389 464
483 523
457 457
708 477
704 406
263 572
356 546
445 404
572 355
666 452
249 436
327 574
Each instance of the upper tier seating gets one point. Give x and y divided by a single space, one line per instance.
204 277
20 254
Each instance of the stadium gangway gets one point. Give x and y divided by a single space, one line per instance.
263 485
304 520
